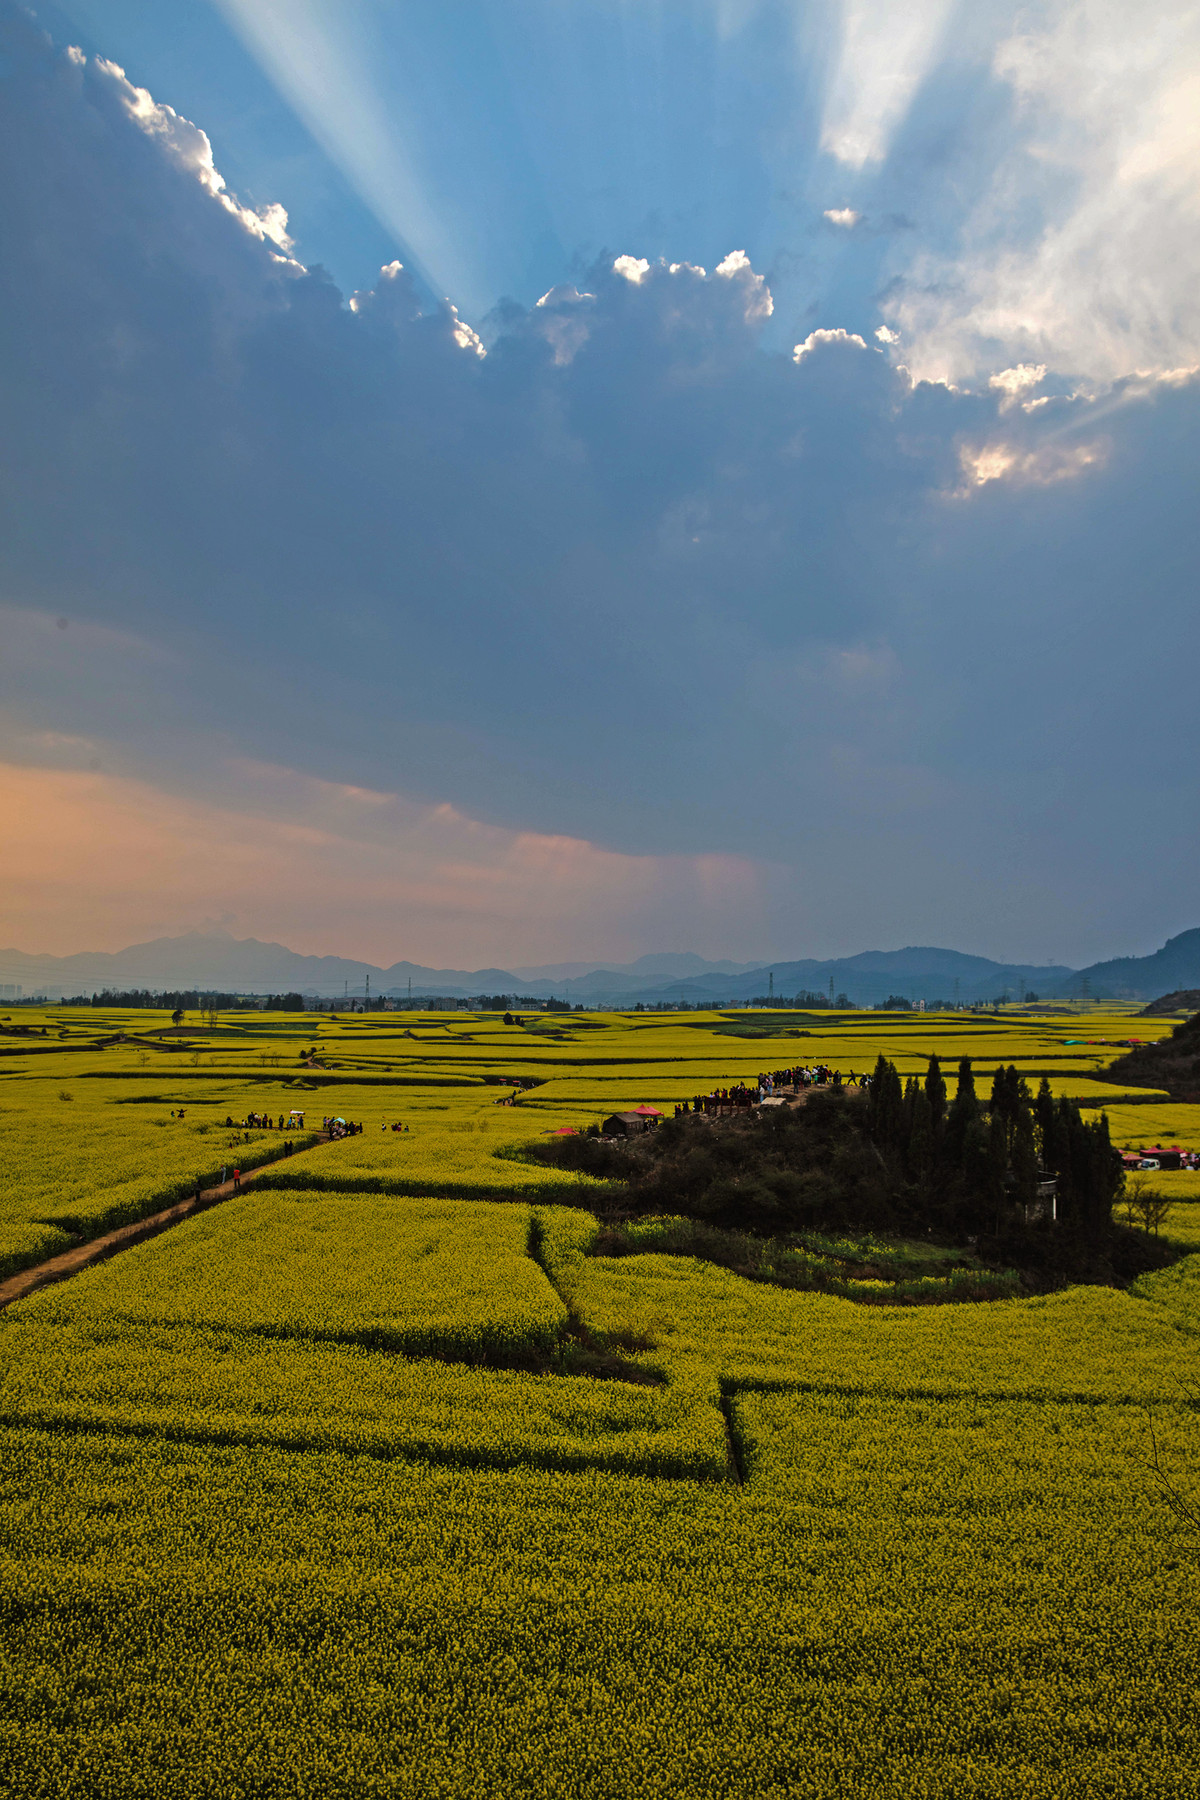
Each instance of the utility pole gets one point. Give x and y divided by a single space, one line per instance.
831 990
771 985
368 993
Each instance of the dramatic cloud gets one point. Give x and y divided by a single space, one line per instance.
1080 245
782 643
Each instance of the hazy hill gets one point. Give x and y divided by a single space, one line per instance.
669 964
1176 965
216 960
1173 1063
921 972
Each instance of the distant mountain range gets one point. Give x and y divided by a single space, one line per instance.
217 961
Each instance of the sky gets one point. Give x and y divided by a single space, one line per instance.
503 481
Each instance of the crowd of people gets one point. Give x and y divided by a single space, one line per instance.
340 1128
772 1084
796 1080
261 1121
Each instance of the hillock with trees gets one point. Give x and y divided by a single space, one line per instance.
1173 1063
1023 1180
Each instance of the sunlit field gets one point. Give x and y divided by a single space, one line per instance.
376 1479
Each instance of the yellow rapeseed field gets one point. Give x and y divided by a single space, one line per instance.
281 1518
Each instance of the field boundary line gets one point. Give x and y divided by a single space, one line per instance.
297 1443
82 1256
733 1387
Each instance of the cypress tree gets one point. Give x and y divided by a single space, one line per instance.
976 1173
964 1112
877 1098
887 1106
920 1140
997 1165
1071 1163
1044 1112
912 1088
1102 1180
935 1093
1023 1161
966 1080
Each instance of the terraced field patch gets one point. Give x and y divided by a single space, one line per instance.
274 1522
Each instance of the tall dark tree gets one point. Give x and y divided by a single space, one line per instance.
964 1111
887 1105
935 1093
1045 1116
1023 1158
919 1156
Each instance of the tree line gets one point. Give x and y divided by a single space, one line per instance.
1021 1177
971 1168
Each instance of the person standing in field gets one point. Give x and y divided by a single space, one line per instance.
237 1178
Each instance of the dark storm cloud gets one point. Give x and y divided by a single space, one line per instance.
628 576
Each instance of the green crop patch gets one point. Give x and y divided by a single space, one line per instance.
425 1278
314 1496
303 1394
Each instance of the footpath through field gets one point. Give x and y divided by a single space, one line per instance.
81 1256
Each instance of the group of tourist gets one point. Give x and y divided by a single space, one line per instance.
796 1080
721 1099
340 1128
773 1084
263 1121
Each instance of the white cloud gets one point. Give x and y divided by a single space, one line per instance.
464 336
817 338
886 336
844 216
190 148
736 267
564 319
1041 466
633 268
1012 383
1082 249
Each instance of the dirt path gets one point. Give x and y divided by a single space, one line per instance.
69 1262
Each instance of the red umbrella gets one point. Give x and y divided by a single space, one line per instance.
648 1111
